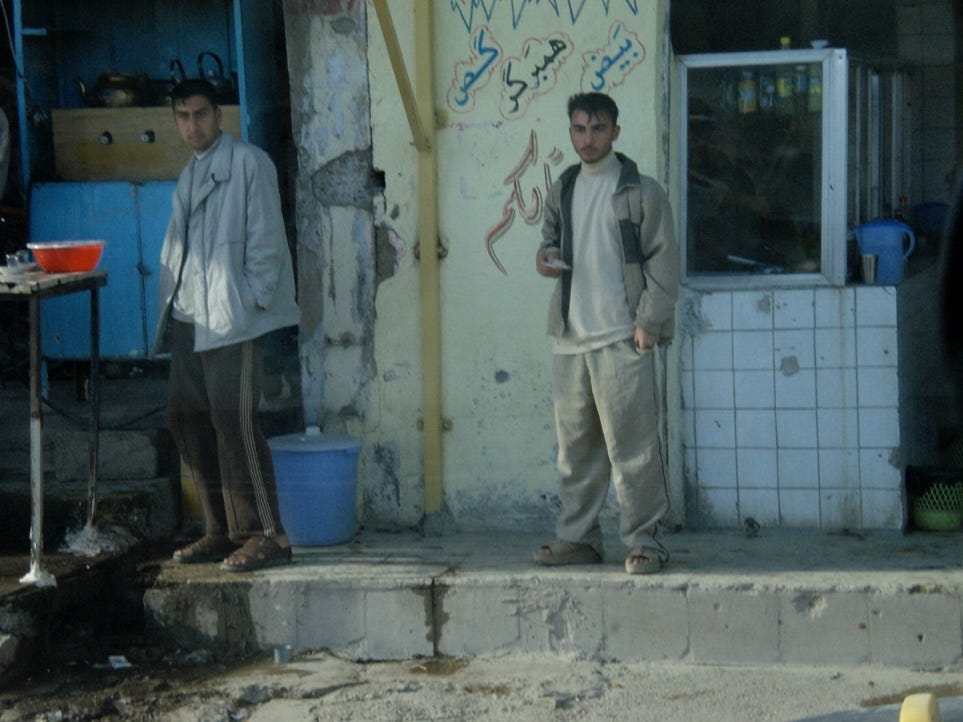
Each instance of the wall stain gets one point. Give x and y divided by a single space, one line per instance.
384 458
691 321
810 604
386 255
433 600
789 366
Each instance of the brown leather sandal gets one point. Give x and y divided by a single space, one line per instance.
561 552
209 548
643 561
258 552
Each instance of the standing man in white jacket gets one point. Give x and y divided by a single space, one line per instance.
226 280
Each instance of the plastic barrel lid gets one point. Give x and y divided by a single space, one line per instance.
311 439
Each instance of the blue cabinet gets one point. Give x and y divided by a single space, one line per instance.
132 219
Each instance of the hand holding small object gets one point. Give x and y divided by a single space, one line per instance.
549 264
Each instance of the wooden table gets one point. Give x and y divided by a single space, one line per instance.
35 286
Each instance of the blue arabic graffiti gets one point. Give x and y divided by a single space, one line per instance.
466 84
606 67
467 9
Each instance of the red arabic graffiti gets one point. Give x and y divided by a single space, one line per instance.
530 210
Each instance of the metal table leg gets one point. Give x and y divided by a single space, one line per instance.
93 437
36 575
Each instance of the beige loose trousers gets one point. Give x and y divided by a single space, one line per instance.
607 421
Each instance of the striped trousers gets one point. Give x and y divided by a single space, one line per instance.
212 406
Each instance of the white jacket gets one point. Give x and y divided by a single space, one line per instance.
248 287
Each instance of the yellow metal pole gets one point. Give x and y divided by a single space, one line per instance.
421 139
428 275
420 106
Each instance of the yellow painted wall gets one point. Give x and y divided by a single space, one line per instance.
503 73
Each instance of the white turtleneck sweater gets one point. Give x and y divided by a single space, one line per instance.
599 313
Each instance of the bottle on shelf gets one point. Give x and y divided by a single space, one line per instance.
814 97
767 90
800 80
785 101
800 86
748 93
729 92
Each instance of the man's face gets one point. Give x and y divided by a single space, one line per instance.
198 122
592 136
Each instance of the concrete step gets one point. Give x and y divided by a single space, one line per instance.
782 597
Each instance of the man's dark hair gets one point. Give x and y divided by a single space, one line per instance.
596 105
193 86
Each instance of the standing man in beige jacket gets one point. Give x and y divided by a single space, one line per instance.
608 239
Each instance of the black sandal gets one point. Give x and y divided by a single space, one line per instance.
209 548
258 552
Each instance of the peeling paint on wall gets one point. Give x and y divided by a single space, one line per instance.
336 185
386 253
348 180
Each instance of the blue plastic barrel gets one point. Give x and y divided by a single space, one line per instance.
317 483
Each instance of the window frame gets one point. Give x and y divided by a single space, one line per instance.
833 180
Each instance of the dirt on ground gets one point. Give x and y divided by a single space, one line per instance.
92 675
103 663
96 676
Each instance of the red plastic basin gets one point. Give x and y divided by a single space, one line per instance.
67 256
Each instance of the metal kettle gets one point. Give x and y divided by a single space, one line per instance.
164 86
224 86
116 90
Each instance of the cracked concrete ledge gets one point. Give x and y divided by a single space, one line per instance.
807 598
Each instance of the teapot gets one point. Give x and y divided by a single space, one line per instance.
223 86
163 87
116 90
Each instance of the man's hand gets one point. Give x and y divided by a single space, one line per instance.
645 340
548 262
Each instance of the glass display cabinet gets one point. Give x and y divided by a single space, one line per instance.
784 153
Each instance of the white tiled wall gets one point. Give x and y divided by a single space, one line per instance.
791 408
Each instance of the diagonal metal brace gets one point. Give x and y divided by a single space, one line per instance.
422 143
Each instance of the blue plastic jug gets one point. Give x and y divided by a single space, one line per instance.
891 242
